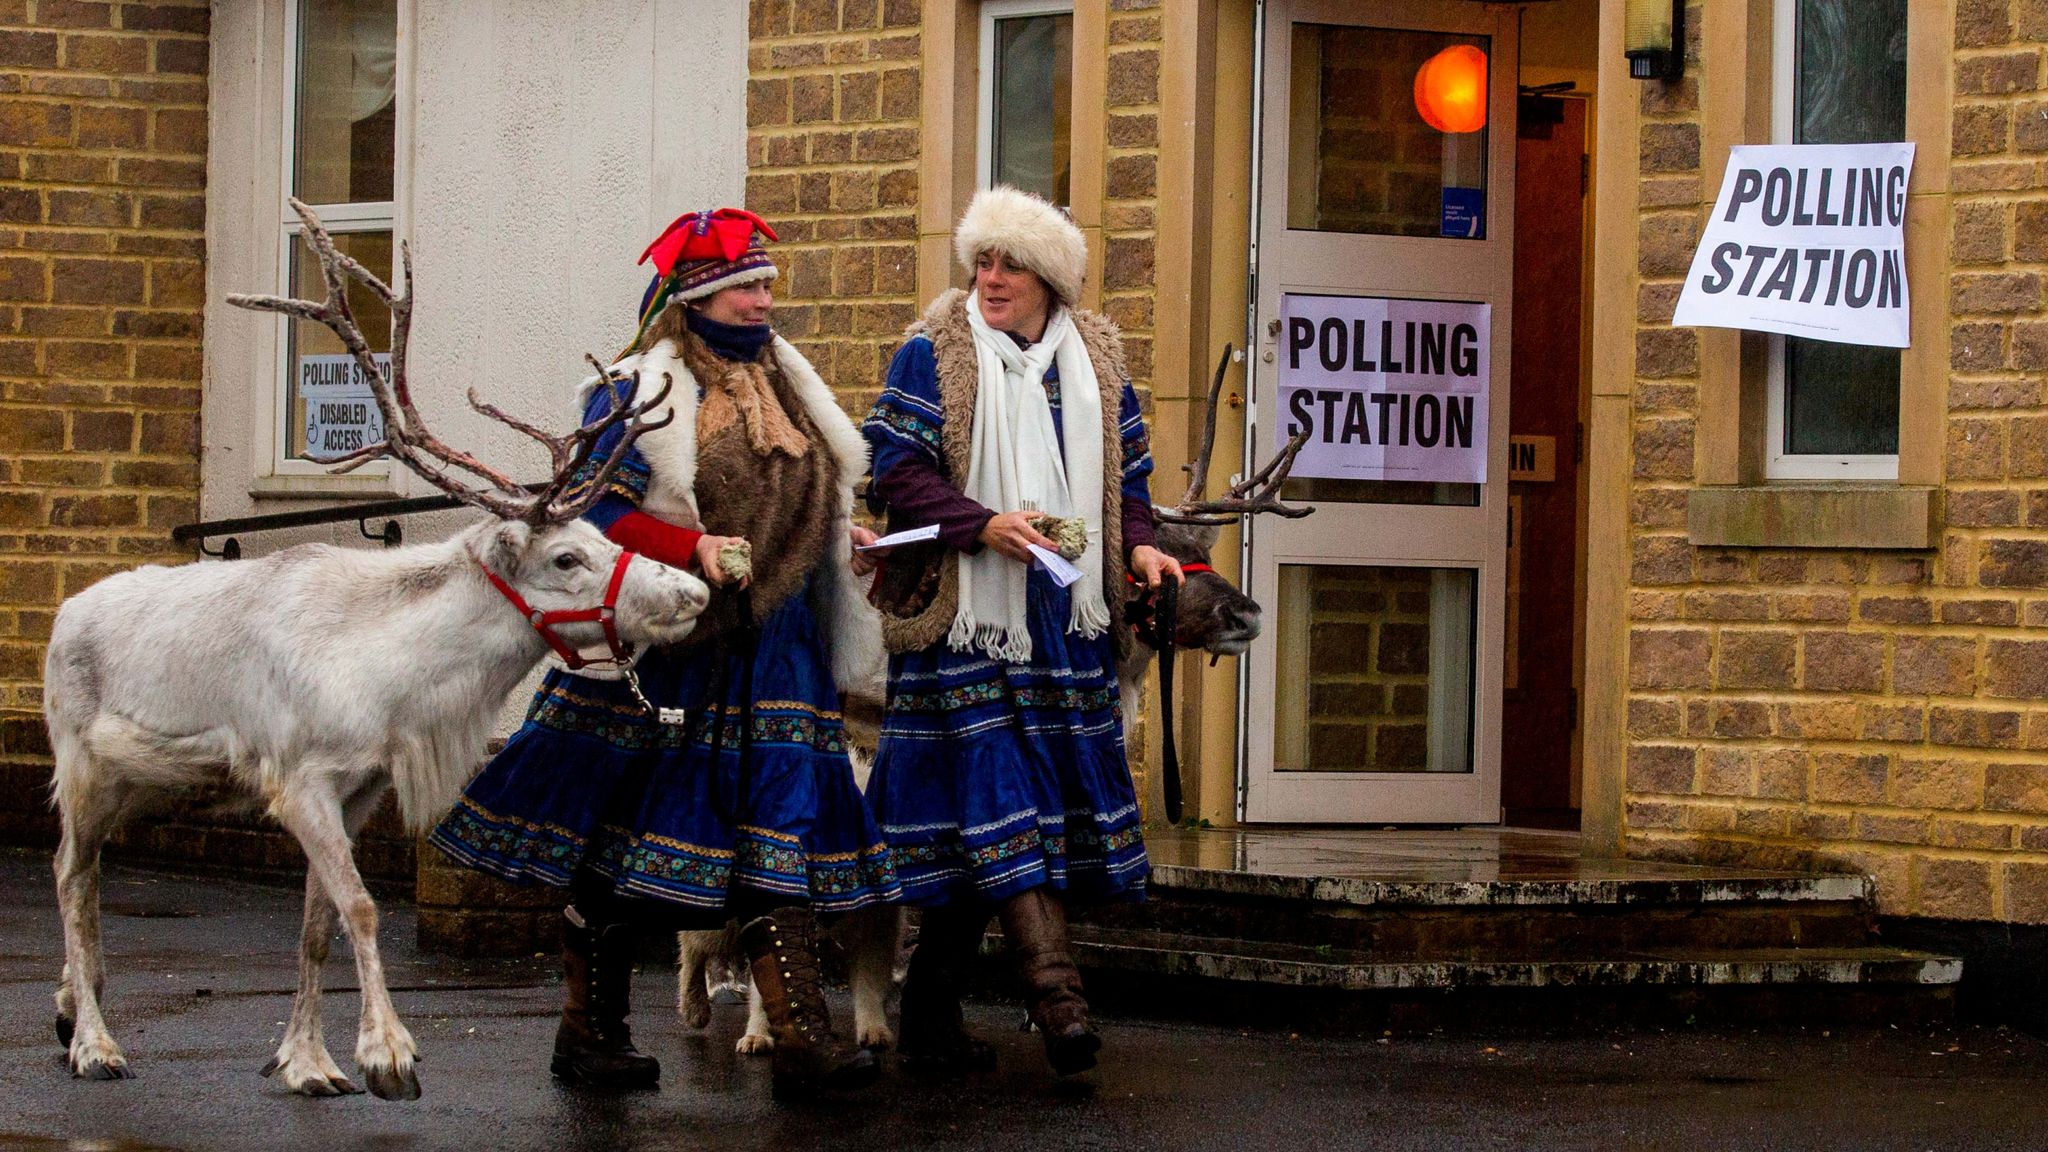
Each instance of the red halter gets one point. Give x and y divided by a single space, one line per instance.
1185 570
544 622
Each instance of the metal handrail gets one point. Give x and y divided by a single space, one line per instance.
391 535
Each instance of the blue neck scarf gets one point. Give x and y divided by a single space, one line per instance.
740 343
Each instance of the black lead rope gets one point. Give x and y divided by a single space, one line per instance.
1165 622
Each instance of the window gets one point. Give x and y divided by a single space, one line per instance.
1363 157
1027 66
1839 77
340 157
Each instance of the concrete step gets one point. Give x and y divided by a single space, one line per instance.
1419 895
1508 917
1252 984
1324 967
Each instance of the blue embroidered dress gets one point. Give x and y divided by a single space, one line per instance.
995 778
592 777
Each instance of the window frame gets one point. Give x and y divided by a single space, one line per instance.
1778 463
338 219
993 11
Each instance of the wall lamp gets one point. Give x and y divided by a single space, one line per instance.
1655 39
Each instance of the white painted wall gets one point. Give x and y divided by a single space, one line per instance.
545 143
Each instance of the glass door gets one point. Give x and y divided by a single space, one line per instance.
1385 237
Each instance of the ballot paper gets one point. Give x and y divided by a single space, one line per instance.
1055 565
894 539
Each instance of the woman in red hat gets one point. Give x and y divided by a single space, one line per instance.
718 785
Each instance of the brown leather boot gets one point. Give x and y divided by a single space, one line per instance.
809 1056
593 1046
1035 924
934 1035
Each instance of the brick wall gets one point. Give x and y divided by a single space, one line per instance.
1885 710
1130 187
102 218
832 148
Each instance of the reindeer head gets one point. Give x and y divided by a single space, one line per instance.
1214 614
559 567
541 550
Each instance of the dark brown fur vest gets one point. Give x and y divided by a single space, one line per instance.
918 589
783 504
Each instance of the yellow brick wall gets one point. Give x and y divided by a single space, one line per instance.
833 133
1884 710
102 221
832 140
1130 183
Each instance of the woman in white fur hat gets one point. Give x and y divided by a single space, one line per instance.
1001 783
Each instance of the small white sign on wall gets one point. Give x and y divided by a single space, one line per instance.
341 412
1387 389
1807 240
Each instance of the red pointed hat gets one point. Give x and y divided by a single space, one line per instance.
722 235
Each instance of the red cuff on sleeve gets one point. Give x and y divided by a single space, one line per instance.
655 539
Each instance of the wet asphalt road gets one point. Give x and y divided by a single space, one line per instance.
201 973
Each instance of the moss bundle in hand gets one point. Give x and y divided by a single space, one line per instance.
736 560
1069 534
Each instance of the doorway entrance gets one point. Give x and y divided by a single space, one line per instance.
1545 577
1384 293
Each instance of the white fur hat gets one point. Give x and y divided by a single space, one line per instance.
1031 232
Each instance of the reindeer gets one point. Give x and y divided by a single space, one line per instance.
316 679
1214 616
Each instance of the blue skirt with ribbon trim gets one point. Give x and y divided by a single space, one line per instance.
995 778
591 776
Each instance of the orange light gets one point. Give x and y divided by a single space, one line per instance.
1450 89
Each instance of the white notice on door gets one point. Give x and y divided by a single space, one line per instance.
341 412
1387 389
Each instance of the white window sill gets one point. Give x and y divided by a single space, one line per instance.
322 486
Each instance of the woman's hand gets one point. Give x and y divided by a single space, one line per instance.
863 562
707 558
1011 534
1150 565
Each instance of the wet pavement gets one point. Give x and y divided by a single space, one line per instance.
201 972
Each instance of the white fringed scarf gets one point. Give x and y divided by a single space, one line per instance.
1015 464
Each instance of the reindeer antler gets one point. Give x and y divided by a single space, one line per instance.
1260 493
406 438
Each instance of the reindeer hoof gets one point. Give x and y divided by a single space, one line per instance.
104 1070
392 1084
336 1086
317 1084
752 1045
65 1029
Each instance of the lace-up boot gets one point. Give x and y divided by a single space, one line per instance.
783 949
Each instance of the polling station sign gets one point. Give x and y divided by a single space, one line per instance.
341 412
1387 389
1807 240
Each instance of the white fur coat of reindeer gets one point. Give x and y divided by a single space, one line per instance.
317 679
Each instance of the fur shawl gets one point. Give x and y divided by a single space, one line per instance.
852 630
922 617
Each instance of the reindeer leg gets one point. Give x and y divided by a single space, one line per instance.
693 992
758 1040
384 1048
303 1058
869 936
93 1055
